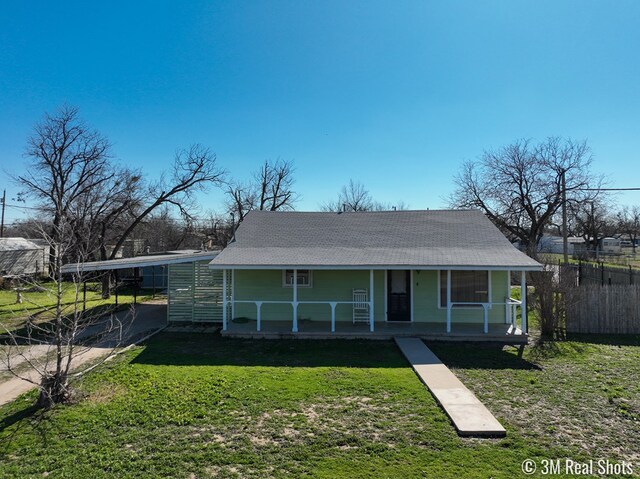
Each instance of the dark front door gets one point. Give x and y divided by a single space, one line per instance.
398 295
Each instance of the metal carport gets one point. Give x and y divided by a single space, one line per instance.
194 291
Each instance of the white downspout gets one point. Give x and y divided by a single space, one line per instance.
295 300
371 315
224 299
448 301
523 299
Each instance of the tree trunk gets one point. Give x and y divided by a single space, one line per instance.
54 389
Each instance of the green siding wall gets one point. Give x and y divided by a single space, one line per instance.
266 285
333 285
425 298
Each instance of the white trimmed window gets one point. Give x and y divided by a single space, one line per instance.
305 278
466 287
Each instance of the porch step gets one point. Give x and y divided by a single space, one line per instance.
469 416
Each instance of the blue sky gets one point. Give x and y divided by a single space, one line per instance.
393 94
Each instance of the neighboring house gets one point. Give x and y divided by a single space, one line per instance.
554 244
610 245
23 257
409 272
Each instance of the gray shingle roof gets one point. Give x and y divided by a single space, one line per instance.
428 239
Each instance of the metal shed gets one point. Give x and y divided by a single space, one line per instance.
20 256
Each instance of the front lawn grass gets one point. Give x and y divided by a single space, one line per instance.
38 305
198 406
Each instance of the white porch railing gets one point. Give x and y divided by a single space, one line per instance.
485 310
332 304
510 312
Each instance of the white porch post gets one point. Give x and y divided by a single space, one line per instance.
371 316
448 301
507 306
333 316
486 318
258 315
523 299
411 283
233 294
224 299
295 301
386 295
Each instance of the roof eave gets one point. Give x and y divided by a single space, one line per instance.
537 267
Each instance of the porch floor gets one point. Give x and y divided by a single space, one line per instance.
503 333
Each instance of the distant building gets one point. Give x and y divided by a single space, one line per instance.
130 248
611 245
554 244
23 257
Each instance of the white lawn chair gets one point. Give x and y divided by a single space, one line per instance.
360 306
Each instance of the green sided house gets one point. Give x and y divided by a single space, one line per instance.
428 273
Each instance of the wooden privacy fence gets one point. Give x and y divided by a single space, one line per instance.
598 273
611 309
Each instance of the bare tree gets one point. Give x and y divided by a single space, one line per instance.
193 169
275 181
99 217
270 189
520 187
356 197
593 221
628 223
242 198
352 197
67 160
74 179
49 353
218 230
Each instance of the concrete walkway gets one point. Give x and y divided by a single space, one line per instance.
14 387
92 345
469 416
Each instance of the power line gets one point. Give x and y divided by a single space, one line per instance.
608 189
9 205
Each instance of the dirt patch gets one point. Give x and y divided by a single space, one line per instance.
105 394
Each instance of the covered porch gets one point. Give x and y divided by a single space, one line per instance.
432 308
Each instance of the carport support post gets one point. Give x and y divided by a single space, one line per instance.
295 300
371 315
224 299
115 274
84 296
448 301
523 299
136 272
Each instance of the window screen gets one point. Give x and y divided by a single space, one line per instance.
466 287
304 277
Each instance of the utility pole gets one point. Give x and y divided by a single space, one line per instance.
4 201
565 240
